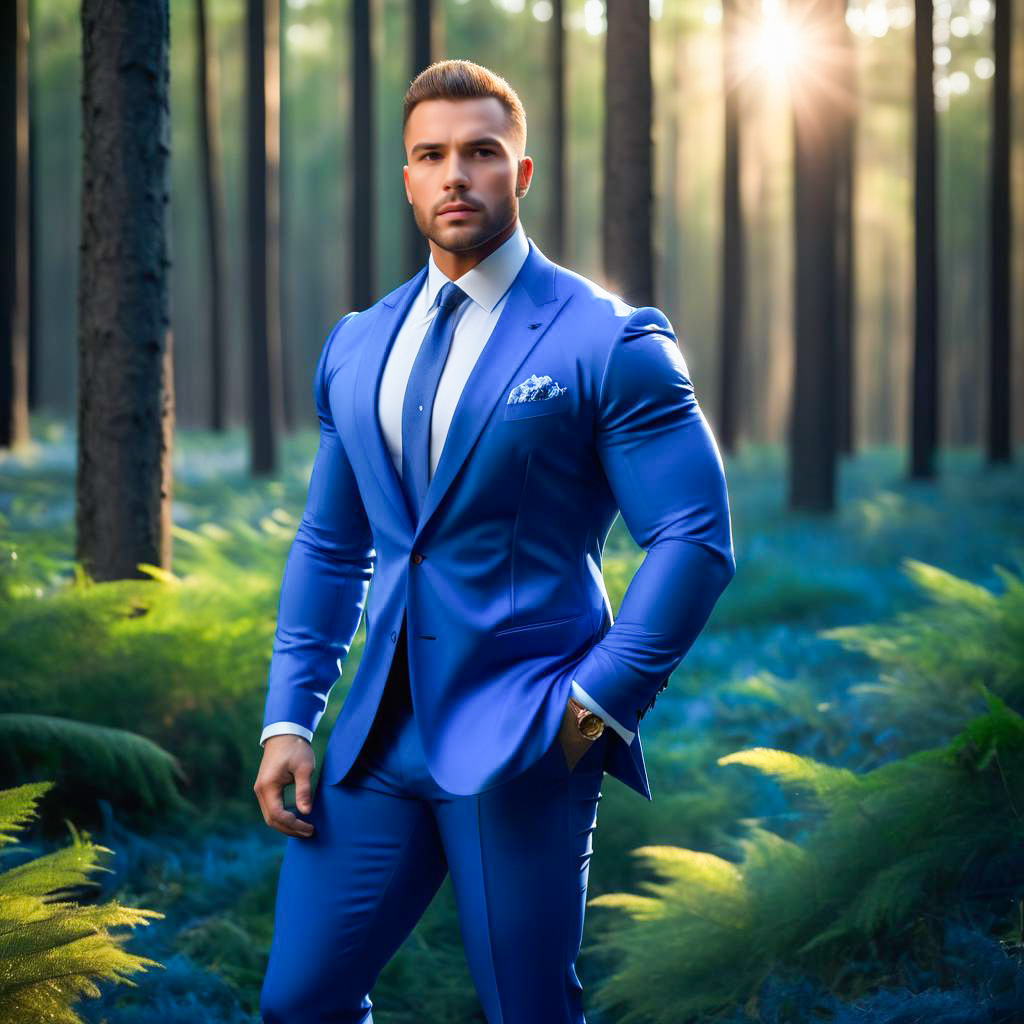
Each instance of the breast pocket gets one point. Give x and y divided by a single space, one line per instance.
538 407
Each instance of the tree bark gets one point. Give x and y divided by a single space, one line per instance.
628 197
207 79
14 224
125 379
263 301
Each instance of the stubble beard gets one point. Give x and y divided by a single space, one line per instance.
464 237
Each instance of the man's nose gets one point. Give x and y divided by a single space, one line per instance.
455 171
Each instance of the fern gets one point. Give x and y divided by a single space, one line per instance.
53 951
931 659
707 931
113 760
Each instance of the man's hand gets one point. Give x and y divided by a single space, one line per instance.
574 743
286 758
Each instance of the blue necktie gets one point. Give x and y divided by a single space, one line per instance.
419 397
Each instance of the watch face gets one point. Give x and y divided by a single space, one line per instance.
591 726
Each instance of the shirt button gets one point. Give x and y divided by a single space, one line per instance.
417 557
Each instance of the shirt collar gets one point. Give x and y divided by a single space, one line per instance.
488 281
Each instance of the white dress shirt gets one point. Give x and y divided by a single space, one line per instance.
487 285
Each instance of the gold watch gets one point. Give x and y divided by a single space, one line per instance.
590 725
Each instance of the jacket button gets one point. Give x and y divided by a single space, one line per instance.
394 637
417 557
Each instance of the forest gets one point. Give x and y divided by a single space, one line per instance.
825 201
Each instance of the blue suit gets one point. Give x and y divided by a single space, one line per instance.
496 597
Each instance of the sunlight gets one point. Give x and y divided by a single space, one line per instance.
777 47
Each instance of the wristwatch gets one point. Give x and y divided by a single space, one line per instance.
590 725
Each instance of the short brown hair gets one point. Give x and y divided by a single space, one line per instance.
463 79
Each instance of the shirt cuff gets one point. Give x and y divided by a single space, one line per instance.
588 702
285 729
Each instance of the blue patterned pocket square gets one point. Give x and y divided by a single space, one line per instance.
535 389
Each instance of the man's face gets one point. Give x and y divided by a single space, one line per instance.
461 152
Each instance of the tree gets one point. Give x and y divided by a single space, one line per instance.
817 97
559 171
263 300
733 286
125 382
628 197
213 208
925 376
14 224
363 190
1000 412
422 48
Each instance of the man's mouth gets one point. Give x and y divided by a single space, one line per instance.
462 211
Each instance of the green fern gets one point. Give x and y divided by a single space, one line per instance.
931 659
706 931
114 760
53 951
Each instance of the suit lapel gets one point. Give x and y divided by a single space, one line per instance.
531 307
374 354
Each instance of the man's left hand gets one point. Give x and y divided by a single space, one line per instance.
574 743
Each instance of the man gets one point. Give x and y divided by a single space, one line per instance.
480 428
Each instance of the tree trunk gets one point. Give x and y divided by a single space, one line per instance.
925 374
814 90
363 190
559 209
125 378
1000 412
628 199
846 282
421 38
263 300
732 299
14 225
207 80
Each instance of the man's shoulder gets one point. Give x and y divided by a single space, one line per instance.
606 311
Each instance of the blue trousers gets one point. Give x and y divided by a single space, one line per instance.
386 836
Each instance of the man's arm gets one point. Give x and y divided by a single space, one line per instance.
326 578
665 471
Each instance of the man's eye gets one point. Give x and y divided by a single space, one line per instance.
484 149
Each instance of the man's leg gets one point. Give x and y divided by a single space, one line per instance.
349 895
519 855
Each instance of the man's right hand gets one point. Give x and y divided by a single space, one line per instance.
286 759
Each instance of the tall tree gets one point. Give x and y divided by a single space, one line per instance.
846 303
125 379
422 32
207 79
732 300
925 375
628 175
558 232
1000 413
14 224
815 93
263 299
363 195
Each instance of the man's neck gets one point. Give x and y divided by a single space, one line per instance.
454 264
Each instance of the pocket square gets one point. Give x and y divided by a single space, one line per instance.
535 389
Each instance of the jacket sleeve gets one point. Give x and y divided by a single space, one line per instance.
666 474
326 578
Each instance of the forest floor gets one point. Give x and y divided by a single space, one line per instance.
764 673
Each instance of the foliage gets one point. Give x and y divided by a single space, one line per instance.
890 842
116 762
932 658
53 951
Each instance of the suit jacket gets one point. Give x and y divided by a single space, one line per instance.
500 579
